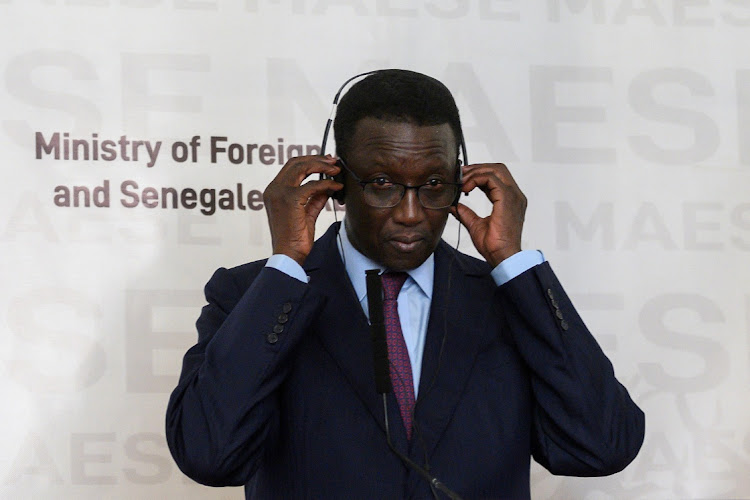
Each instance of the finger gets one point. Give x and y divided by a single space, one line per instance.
314 206
323 168
486 182
491 184
311 189
298 169
465 215
500 170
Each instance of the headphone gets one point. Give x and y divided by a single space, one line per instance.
339 195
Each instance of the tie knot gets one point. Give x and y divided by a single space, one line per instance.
392 283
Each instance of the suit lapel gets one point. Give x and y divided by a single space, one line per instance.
344 334
344 330
458 333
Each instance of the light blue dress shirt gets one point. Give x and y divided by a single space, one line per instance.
415 297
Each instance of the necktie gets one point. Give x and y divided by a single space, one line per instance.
400 365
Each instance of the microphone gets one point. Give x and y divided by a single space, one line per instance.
383 374
377 331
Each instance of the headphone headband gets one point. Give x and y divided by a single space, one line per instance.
335 105
339 195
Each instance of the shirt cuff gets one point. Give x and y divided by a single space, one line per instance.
288 266
515 264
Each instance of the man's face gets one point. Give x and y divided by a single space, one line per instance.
401 237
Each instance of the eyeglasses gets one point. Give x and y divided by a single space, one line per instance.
382 192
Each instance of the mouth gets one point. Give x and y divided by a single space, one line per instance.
407 243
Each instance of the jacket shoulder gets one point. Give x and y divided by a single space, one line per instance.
244 274
226 286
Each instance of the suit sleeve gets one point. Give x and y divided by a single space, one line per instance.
224 408
585 423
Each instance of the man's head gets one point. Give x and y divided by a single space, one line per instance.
395 95
401 127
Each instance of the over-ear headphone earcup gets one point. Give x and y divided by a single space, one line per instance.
459 180
340 177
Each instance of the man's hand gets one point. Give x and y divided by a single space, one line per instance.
293 208
497 236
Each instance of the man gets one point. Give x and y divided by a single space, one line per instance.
279 393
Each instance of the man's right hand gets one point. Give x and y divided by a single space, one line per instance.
293 208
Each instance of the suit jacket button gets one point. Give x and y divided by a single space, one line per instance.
286 307
550 294
564 325
272 338
555 304
559 314
278 328
283 318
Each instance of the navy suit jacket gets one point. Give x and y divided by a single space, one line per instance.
279 392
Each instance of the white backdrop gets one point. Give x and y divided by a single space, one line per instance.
625 122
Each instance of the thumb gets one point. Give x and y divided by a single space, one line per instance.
465 215
315 205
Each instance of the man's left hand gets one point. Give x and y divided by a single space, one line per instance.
497 236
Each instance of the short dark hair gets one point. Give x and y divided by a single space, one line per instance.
395 95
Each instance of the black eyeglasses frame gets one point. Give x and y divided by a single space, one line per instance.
341 163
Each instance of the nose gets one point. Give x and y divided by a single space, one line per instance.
409 210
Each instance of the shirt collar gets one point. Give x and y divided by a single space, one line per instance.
356 265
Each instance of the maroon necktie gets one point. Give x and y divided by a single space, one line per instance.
401 377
